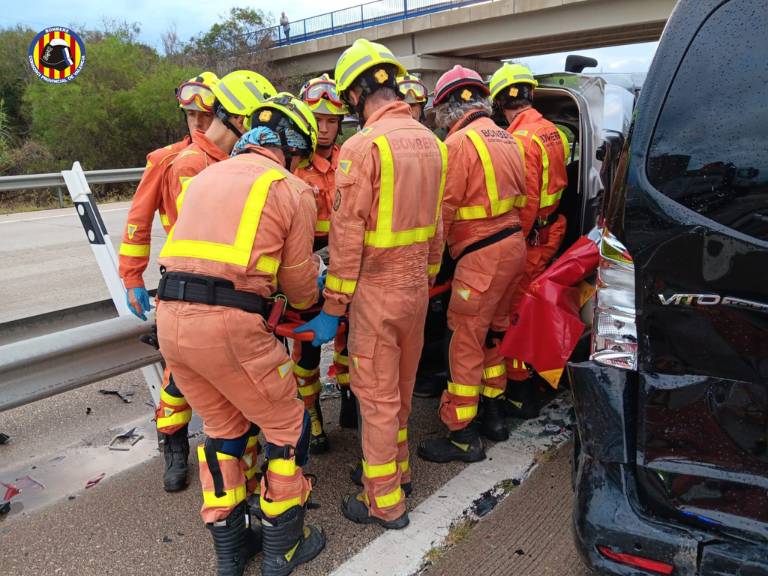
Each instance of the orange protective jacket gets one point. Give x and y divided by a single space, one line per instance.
321 175
545 155
386 226
148 199
262 233
485 185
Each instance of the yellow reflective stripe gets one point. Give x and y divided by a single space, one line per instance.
175 419
485 160
433 269
466 412
443 175
341 359
339 285
323 226
231 498
252 441
471 213
250 472
520 201
166 398
282 467
489 392
379 470
164 220
238 253
463 390
402 435
404 466
391 499
276 508
494 371
518 364
219 455
384 236
304 372
184 181
546 199
342 378
136 250
310 389
268 265
566 145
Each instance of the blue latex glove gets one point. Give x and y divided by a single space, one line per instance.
321 281
138 301
323 325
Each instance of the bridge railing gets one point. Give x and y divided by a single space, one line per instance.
361 16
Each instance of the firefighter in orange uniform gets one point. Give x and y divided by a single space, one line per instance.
385 250
321 97
484 191
195 98
545 151
233 99
220 277
414 93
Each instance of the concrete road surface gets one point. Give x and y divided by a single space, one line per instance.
47 263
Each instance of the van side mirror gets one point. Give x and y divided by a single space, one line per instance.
575 63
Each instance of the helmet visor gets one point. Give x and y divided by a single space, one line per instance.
195 96
320 91
413 88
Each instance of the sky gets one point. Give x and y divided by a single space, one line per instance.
190 18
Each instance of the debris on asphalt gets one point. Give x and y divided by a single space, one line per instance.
520 552
27 483
11 490
5 507
88 410
71 497
166 540
4 438
93 481
552 429
125 396
125 440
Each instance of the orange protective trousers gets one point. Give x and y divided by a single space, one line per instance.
538 258
233 373
483 285
385 341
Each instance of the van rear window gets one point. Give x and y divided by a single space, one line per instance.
710 148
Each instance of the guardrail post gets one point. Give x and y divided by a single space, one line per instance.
362 17
61 198
405 8
331 22
305 27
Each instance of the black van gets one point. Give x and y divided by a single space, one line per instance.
671 455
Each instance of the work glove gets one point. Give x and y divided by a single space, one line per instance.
138 301
323 325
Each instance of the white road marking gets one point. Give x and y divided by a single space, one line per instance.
67 215
432 519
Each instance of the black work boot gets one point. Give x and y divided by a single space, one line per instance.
176 454
233 541
353 507
463 445
288 542
523 399
357 477
492 424
348 412
430 385
318 441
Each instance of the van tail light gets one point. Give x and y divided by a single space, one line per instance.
653 566
614 333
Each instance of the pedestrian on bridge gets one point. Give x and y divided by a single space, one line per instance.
246 227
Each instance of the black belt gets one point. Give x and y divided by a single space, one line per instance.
487 241
207 290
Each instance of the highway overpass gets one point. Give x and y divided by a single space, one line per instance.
480 35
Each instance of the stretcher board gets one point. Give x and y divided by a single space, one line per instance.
106 257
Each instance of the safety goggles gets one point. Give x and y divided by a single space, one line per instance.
320 91
191 93
414 87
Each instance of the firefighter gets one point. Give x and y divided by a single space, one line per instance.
195 97
220 277
414 93
484 191
546 150
385 248
321 97
234 98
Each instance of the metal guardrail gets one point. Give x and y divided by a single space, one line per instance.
358 17
55 179
44 366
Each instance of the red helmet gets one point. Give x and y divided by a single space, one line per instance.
458 77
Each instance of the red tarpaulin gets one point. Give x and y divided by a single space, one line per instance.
546 324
